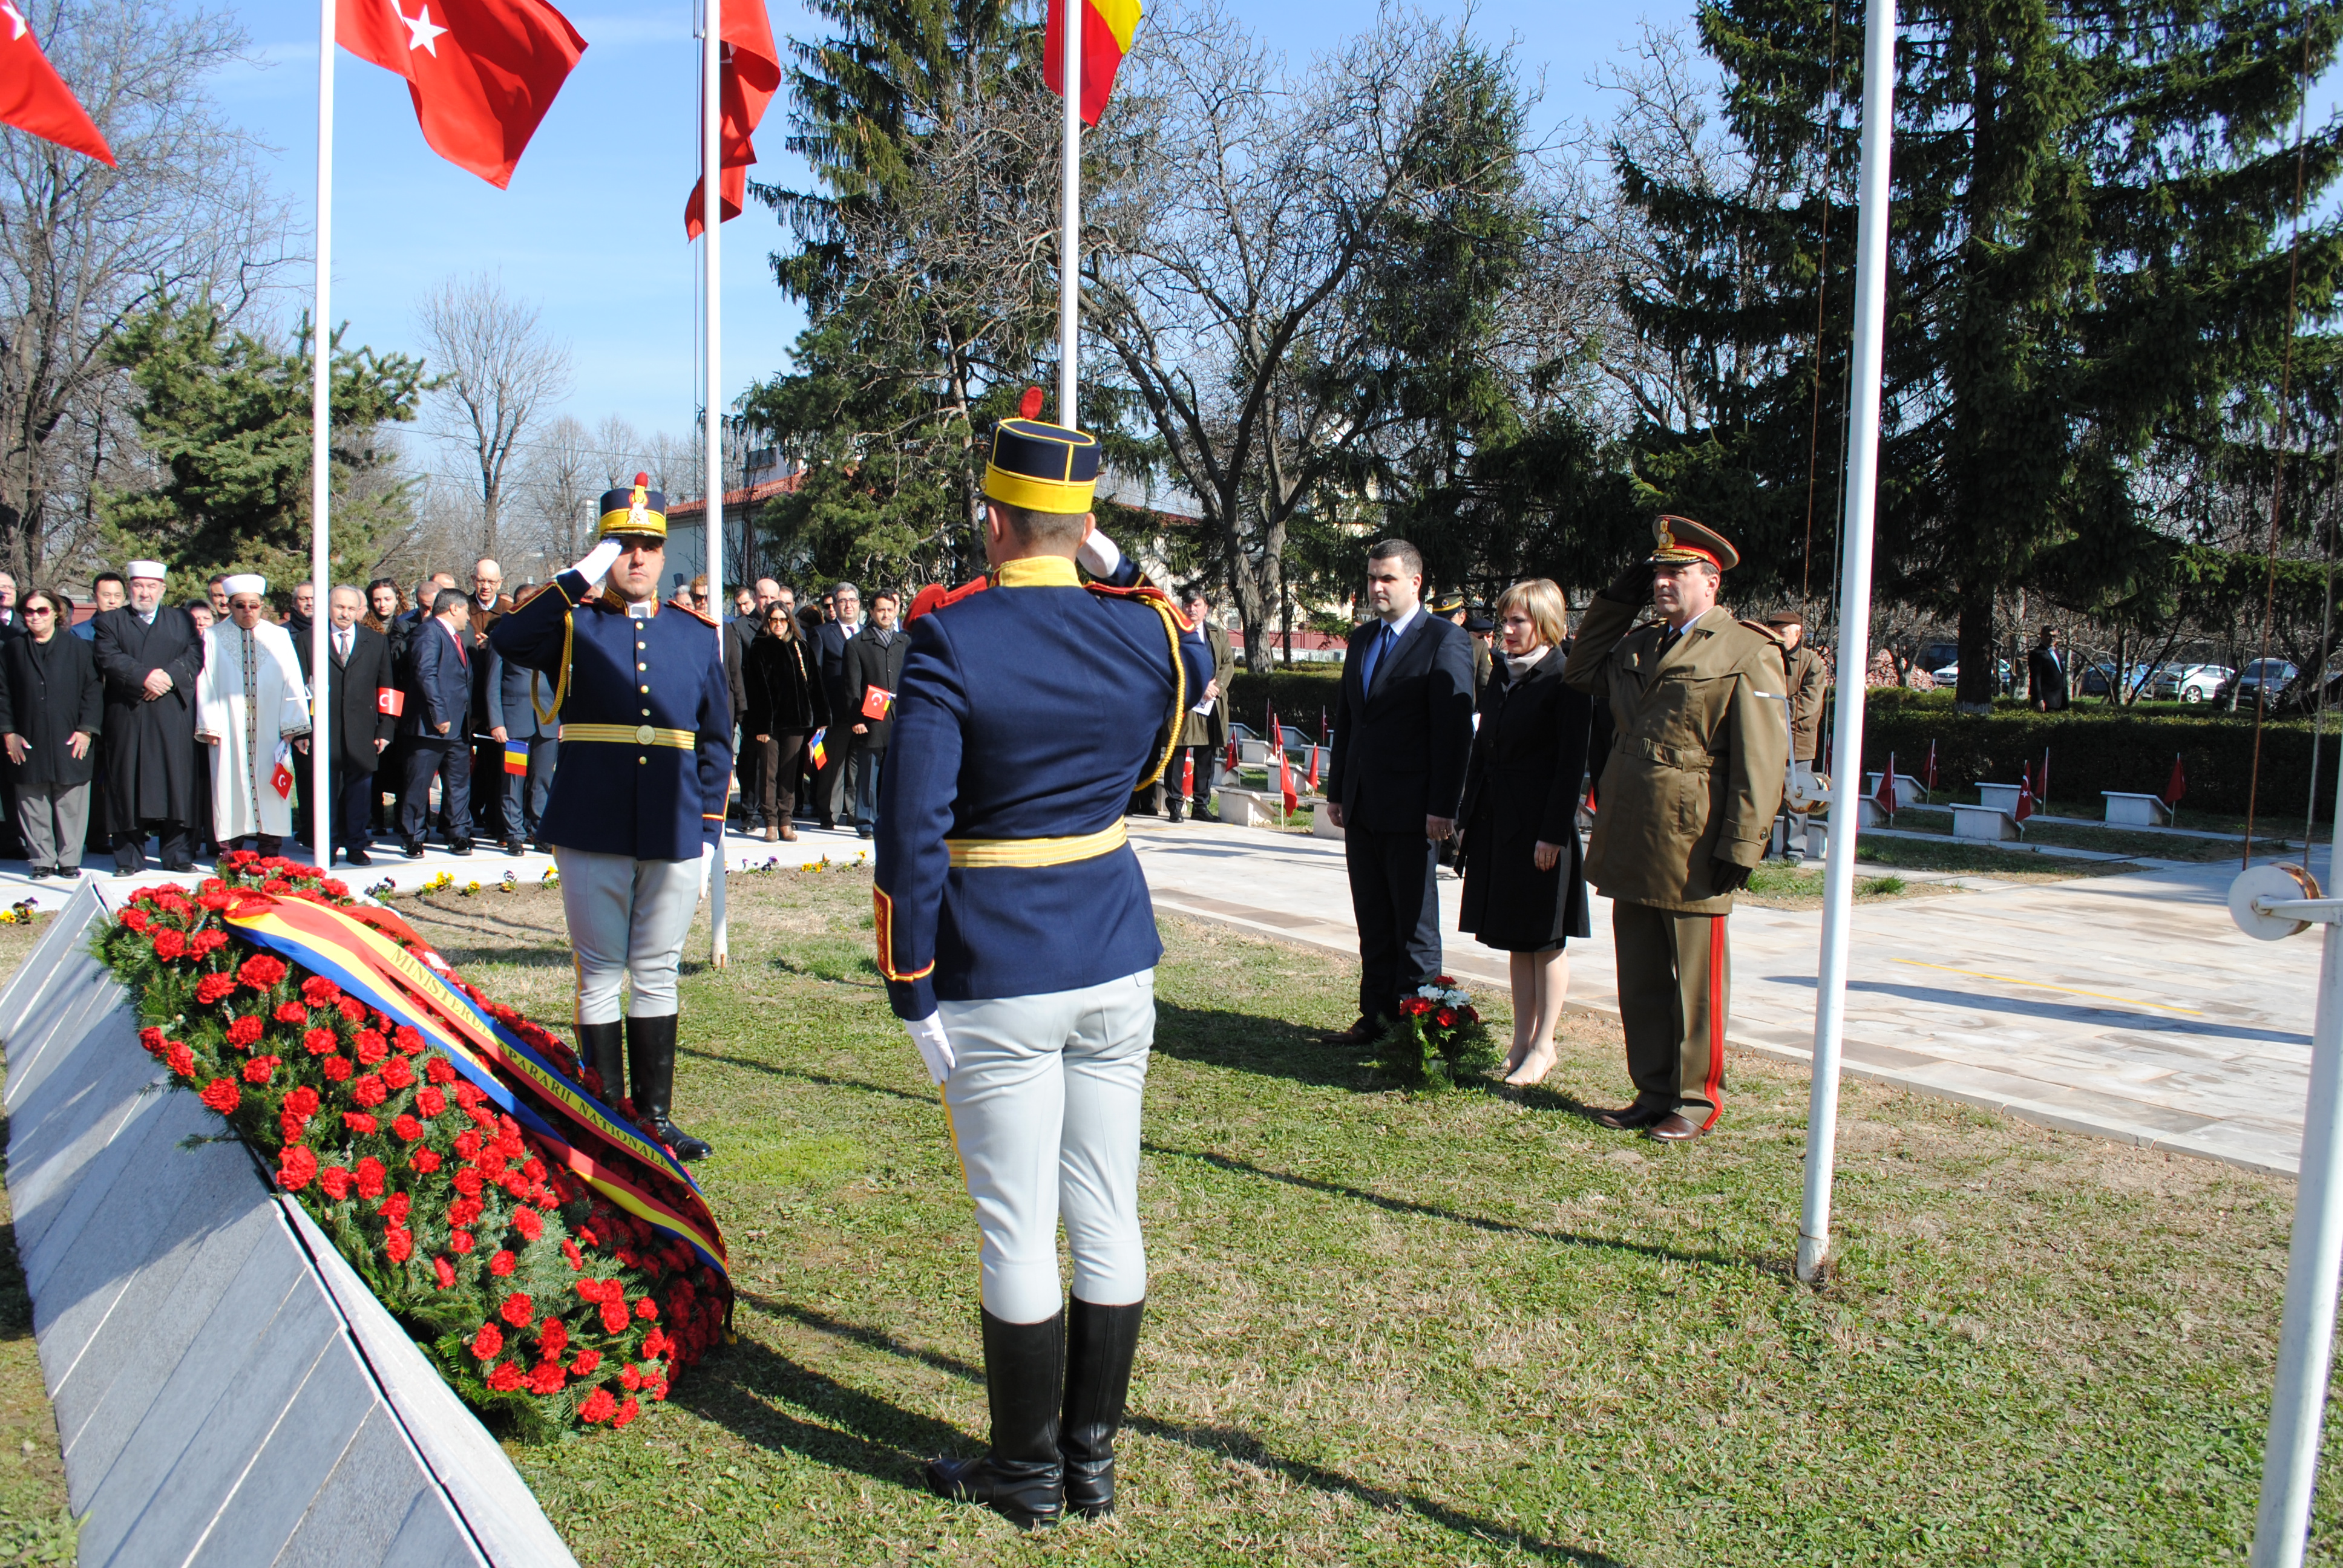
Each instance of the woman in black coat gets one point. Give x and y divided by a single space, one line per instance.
1524 888
52 707
782 681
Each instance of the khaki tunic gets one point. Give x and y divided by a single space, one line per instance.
1211 728
1696 770
1809 681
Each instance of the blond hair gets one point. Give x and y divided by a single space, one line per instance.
1548 610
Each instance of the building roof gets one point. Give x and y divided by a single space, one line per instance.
747 496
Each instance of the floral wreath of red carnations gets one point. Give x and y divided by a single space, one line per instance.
540 1302
1438 1040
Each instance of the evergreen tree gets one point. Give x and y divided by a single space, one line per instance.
224 416
2088 259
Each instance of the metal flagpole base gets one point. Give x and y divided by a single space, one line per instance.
1813 1258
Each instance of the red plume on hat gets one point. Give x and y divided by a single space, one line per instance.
1028 406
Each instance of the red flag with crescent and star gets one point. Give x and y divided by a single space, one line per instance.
482 73
752 74
35 98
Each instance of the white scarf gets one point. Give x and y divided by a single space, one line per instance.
1521 664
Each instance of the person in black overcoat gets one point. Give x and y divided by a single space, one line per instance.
386 614
1524 890
357 667
149 655
438 744
875 658
52 707
784 702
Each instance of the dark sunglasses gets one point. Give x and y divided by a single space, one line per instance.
38 610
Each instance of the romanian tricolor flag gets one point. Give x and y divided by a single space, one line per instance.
817 751
517 756
1107 27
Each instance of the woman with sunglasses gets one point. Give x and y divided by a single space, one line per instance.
786 704
52 707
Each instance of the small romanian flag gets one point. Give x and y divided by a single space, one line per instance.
517 756
1107 27
817 751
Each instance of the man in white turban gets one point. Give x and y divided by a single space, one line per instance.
251 703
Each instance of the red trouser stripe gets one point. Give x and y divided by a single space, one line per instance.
1715 1084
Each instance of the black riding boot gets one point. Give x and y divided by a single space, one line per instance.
650 1058
1099 1345
603 1048
1023 1478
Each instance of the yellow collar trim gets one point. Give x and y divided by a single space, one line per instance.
1037 571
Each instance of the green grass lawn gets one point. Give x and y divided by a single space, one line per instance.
36 1524
1473 1328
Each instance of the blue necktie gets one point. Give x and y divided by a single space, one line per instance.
1375 651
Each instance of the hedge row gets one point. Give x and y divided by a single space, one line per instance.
2093 747
1298 696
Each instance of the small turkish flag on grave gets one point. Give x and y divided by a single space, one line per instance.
2178 785
482 73
34 97
1884 796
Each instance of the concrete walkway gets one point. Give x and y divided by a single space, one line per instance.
2128 1007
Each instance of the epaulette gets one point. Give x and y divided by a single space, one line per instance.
696 614
1144 592
1767 632
935 597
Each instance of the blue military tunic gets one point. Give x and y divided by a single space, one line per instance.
646 720
1026 715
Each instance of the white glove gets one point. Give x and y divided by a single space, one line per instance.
928 1034
1099 554
597 564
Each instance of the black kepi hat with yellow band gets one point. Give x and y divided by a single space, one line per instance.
639 509
1678 540
1041 468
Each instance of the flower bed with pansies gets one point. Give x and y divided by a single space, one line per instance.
542 1304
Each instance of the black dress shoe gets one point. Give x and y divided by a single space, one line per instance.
1366 1031
1628 1117
461 846
38 873
181 867
1675 1127
413 851
357 857
515 847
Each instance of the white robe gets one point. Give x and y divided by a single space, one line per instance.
251 696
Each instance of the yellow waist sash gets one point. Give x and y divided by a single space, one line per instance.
1037 851
638 734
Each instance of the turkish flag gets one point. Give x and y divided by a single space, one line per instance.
34 97
482 72
1884 796
752 74
2178 785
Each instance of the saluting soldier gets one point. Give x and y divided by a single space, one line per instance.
638 789
1688 799
1019 945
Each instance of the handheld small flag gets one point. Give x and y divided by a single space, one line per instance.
1315 751
1233 757
1884 796
389 699
1107 27
517 756
1188 774
2178 785
817 751
280 778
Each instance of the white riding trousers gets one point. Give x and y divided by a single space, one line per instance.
628 919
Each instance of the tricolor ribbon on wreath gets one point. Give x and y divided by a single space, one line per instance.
594 1141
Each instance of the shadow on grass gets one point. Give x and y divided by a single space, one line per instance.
1229 1442
743 1387
1272 1047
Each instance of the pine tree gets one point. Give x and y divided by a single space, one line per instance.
2087 254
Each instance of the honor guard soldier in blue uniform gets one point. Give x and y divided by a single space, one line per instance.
638 792
1019 945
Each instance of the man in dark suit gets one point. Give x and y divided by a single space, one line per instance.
874 659
438 745
845 604
2046 675
1204 729
358 669
487 602
1403 734
150 655
513 720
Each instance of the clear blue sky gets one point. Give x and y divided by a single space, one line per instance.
592 224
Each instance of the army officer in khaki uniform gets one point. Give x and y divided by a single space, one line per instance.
1688 795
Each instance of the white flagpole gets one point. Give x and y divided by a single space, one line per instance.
321 795
1853 628
711 187
1069 241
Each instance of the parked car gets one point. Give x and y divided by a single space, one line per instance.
2277 674
2094 679
2188 682
1951 673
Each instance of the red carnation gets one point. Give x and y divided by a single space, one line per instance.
273 864
1445 1018
626 1412
205 943
408 1128
371 1046
135 920
599 1406
425 1161
630 1378
585 1363
152 1038
369 1091
614 1317
514 1185
358 1122
400 1243
490 1342
464 1211
505 1379
552 1338
460 1242
647 1309
518 1310
299 1167
407 1038
656 1344
430 1100
302 1102
397 1074
292 1012
467 1181
396 1207
170 945
336 1068
443 1271
352 1010
257 1070
334 887
335 1181
545 1379
221 1095
261 972
180 1060
212 988
503 1263
245 1033
569 1250
320 1041
439 1069
213 895
370 1174
319 991
528 1224
468 1096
